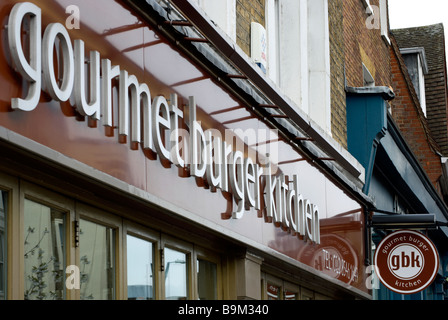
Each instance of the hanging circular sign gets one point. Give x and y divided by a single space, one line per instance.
406 262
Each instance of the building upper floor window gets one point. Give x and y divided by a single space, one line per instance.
415 60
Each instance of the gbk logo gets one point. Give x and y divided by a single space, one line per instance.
406 262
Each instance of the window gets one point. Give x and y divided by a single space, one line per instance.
290 295
278 289
140 269
207 280
417 65
44 252
97 261
273 291
187 272
307 294
176 275
56 234
3 211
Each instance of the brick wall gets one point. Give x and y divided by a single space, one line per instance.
337 57
246 12
351 45
409 117
364 45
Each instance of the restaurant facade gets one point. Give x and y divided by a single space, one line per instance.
145 156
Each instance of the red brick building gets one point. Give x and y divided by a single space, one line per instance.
408 114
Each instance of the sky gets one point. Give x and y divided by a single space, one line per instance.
414 13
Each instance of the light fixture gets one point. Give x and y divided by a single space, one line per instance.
404 221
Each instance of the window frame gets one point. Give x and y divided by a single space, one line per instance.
106 219
32 192
284 286
12 271
269 279
173 243
143 233
210 256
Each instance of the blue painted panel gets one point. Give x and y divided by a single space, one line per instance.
366 124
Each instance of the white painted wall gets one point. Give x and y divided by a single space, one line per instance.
223 13
299 54
298 49
319 64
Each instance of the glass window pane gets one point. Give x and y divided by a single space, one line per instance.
207 280
289 295
3 210
44 252
140 256
97 265
273 292
176 276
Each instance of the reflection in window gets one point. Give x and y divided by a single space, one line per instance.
97 266
44 252
3 211
140 269
273 292
176 277
207 280
289 295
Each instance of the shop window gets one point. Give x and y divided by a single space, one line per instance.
278 289
273 292
176 275
97 261
307 294
207 277
290 295
3 210
44 252
140 269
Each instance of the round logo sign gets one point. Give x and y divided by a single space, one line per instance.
406 262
